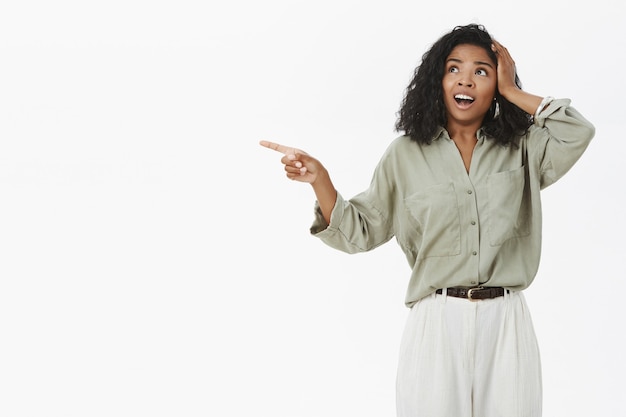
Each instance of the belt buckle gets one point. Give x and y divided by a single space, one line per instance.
470 291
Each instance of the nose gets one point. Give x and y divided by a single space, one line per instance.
465 83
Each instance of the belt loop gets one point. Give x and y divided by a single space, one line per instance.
444 295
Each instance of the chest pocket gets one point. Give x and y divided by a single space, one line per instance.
435 212
509 206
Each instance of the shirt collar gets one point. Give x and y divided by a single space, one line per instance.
442 133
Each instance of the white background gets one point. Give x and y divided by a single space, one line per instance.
154 260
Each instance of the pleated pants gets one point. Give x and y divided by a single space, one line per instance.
462 358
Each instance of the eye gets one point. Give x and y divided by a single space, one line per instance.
453 69
481 72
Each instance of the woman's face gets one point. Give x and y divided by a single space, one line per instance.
469 84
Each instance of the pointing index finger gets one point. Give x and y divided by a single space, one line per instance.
277 147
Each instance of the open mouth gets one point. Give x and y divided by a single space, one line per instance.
463 99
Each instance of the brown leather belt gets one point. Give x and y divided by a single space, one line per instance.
476 293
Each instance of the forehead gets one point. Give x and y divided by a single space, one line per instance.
469 53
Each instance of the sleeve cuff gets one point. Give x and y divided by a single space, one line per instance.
546 110
319 223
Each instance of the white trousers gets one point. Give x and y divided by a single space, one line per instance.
462 358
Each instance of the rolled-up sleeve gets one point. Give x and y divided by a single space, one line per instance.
558 139
361 223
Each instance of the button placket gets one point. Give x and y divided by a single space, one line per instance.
473 234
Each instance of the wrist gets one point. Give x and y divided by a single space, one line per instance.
509 92
322 181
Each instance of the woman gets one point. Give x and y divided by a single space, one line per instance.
460 192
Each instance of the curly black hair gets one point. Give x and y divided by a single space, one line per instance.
423 111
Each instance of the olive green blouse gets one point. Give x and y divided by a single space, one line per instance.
458 228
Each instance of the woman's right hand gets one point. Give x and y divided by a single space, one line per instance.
302 167
299 165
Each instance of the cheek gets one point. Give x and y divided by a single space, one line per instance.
492 87
489 90
447 88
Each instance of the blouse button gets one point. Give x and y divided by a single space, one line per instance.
473 223
474 253
469 191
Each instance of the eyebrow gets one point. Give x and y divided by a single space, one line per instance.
475 62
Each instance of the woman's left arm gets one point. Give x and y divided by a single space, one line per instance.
506 82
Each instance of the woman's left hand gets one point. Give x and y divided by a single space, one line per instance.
506 69
506 82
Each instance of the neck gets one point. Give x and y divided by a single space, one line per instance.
464 133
